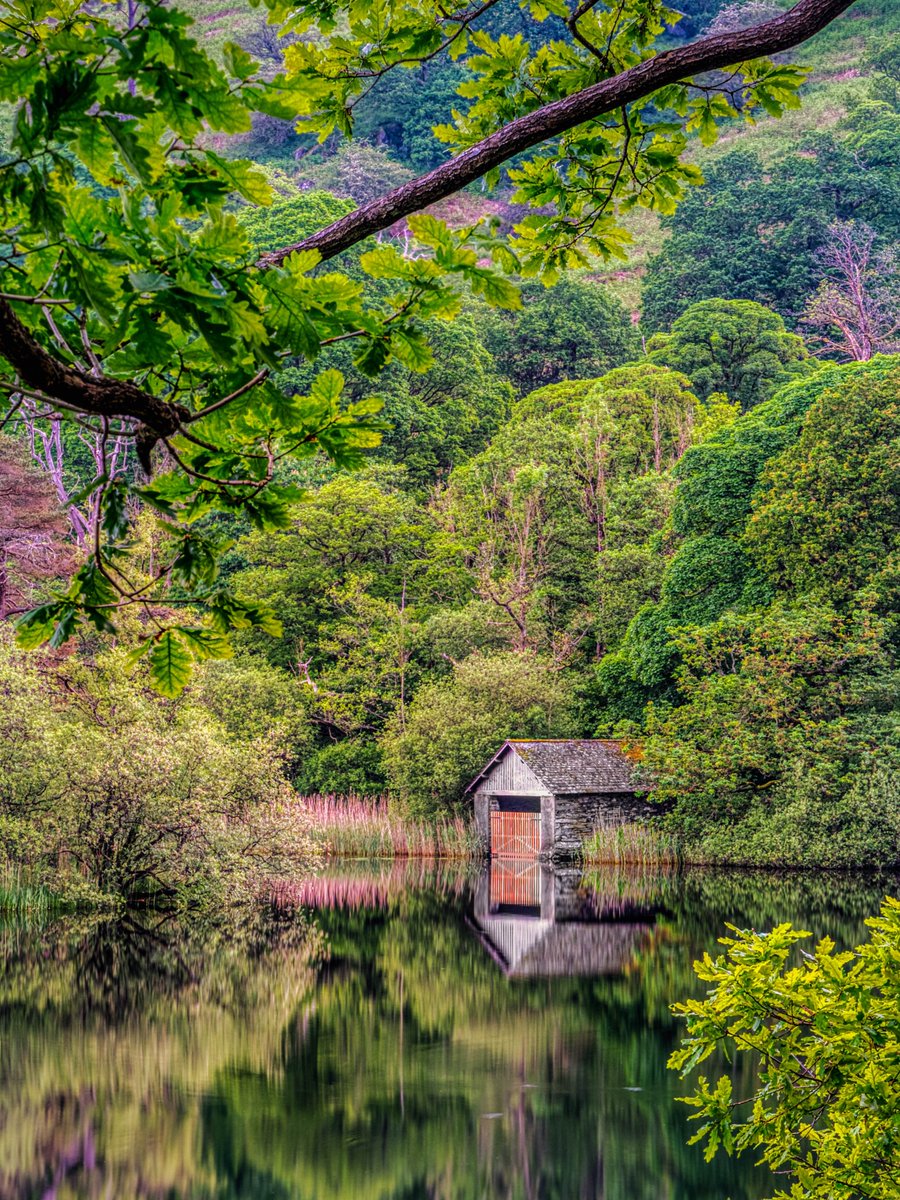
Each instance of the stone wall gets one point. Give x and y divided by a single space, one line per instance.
578 816
566 821
483 819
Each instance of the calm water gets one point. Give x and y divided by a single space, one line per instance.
423 1035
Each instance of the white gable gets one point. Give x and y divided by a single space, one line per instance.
509 776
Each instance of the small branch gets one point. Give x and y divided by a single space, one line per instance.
242 390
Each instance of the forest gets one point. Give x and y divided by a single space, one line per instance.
485 482
381 380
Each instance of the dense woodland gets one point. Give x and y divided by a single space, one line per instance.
660 499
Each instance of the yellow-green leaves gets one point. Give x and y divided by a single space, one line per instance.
821 1035
170 664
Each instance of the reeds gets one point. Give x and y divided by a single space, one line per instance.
636 844
366 827
21 896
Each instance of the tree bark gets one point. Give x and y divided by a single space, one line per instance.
96 395
801 22
40 370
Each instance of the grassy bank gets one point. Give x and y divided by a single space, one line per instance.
365 827
21 896
631 845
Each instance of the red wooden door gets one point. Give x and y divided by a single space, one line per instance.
515 834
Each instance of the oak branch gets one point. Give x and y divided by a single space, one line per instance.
797 25
94 394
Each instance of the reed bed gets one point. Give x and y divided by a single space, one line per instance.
631 845
366 827
21 896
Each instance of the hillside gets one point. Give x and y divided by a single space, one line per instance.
394 122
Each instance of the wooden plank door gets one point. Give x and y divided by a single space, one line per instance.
515 834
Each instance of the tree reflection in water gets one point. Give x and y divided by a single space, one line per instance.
389 1047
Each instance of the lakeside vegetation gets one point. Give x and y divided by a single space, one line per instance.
370 827
682 531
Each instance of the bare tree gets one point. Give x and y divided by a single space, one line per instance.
48 449
855 312
32 528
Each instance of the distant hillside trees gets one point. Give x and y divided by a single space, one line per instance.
733 346
753 232
575 330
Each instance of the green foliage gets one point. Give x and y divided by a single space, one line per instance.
580 471
353 579
352 766
118 215
823 1037
775 692
711 570
439 420
452 727
733 346
826 518
107 791
256 701
574 330
290 220
800 824
769 658
752 232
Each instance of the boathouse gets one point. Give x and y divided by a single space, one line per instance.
541 799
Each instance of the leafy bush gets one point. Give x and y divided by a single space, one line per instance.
801 825
778 693
108 791
822 1039
452 727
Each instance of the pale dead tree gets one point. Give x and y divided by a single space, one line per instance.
32 529
107 446
591 466
108 453
855 312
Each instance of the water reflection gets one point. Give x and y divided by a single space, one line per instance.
537 922
427 1034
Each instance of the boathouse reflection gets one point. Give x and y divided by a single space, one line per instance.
539 922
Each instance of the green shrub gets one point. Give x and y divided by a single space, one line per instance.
453 726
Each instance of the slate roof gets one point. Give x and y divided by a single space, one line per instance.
572 767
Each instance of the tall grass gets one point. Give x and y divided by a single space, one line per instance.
366 827
21 896
637 844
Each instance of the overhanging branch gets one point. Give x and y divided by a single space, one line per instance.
103 396
98 395
801 22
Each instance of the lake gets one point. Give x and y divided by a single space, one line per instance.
440 1033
